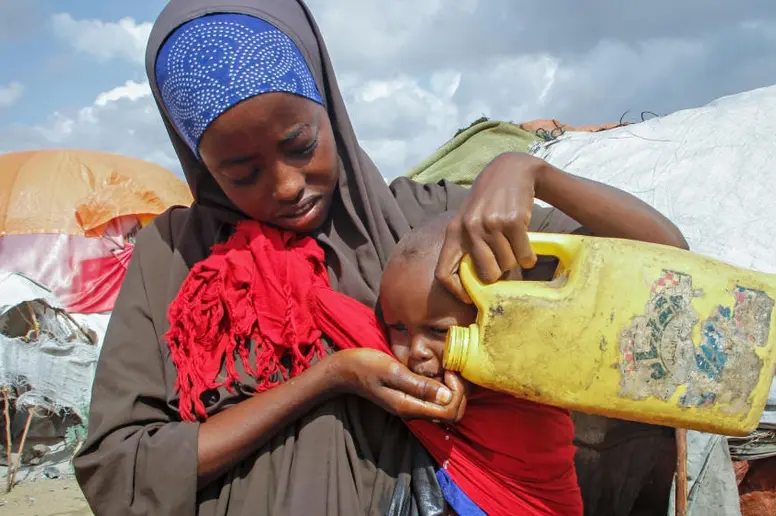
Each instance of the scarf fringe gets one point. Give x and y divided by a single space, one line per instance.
250 294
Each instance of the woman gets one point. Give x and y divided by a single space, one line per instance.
249 97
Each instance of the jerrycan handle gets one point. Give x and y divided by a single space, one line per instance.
552 244
564 247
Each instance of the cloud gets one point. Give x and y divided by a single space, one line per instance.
10 94
131 91
124 120
414 72
125 39
403 119
411 35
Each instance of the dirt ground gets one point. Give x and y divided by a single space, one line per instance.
44 498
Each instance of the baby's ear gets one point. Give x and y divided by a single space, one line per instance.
515 274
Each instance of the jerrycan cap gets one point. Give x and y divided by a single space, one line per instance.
458 342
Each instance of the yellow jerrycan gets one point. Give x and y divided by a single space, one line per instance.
629 330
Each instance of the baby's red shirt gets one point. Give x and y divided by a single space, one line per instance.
509 456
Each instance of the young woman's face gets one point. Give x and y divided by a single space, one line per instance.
275 157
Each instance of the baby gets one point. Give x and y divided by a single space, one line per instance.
506 456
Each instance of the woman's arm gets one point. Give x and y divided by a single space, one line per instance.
604 210
233 435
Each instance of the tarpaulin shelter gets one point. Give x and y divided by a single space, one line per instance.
68 217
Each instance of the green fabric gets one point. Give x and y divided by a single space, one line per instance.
467 153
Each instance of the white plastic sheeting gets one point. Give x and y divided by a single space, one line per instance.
711 480
48 358
55 362
16 289
712 171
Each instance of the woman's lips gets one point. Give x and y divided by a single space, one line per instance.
304 214
302 209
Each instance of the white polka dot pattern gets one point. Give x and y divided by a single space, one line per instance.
212 63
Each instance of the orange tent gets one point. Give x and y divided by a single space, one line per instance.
68 219
77 192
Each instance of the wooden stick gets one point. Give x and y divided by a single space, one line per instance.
7 437
32 321
681 472
75 323
18 465
35 323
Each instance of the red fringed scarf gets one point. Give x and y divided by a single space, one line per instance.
269 290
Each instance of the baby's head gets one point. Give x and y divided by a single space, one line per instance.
416 308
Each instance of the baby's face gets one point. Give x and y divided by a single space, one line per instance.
418 311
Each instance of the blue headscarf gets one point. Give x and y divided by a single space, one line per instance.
212 63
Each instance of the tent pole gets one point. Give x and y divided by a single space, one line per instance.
681 472
8 444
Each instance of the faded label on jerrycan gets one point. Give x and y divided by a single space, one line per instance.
659 354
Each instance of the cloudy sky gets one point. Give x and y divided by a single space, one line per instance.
413 71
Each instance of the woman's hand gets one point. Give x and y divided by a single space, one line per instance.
383 380
492 224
